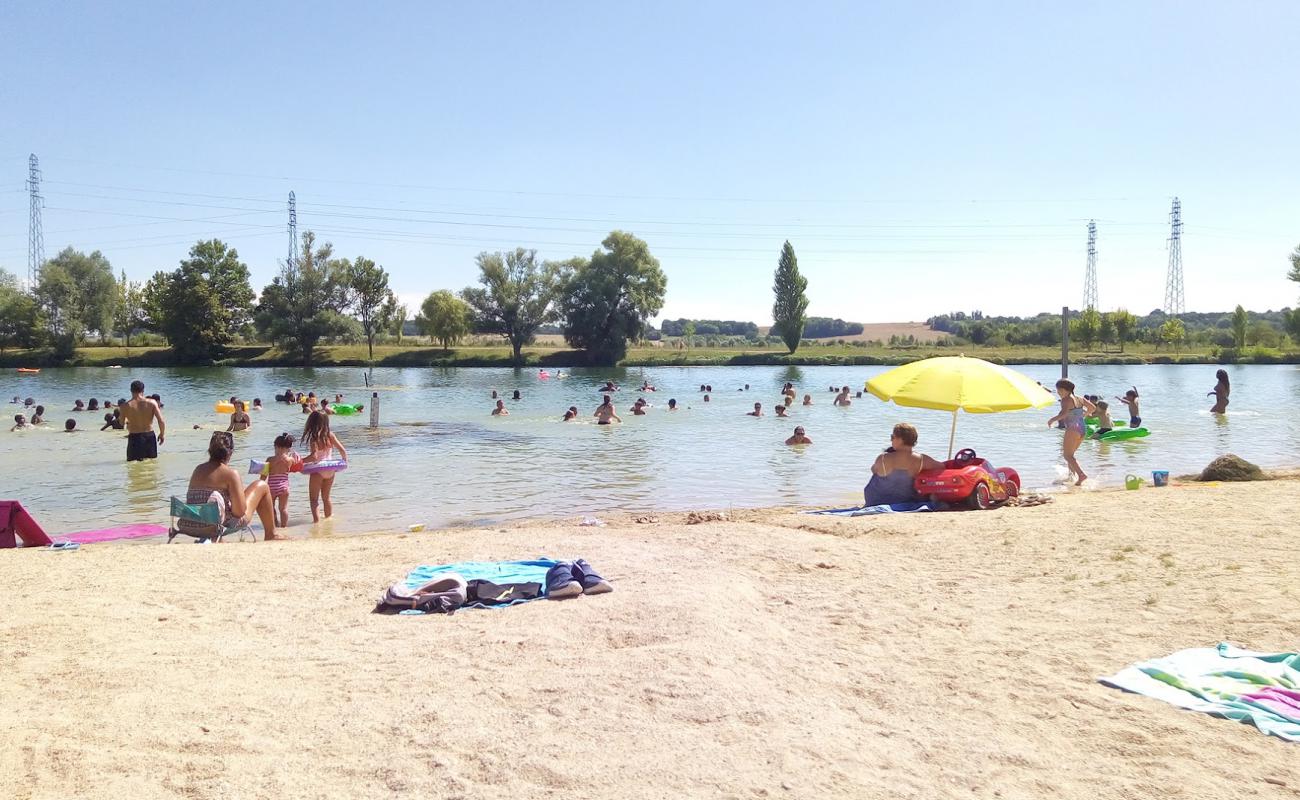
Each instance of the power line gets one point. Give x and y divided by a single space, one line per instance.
1174 305
35 233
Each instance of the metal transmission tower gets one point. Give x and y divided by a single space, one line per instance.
35 233
1174 305
293 230
1090 278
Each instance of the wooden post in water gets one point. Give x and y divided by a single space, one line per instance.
374 409
1065 341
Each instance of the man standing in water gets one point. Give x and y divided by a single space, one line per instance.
140 413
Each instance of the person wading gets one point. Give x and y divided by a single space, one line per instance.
140 413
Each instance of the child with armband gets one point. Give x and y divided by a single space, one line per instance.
278 468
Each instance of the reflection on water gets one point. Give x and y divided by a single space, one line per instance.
439 458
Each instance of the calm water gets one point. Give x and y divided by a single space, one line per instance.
440 459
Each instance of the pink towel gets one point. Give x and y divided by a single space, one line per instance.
137 531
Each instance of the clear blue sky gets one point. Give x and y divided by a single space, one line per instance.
921 157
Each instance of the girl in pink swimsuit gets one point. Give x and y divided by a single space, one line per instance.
278 468
317 437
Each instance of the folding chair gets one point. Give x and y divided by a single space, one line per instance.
203 521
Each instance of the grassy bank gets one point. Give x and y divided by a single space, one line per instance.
420 355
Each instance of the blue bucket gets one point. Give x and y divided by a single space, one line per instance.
1160 477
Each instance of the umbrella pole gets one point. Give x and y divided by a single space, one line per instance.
952 437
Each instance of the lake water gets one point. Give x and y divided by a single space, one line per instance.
439 458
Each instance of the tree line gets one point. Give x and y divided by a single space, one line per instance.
207 303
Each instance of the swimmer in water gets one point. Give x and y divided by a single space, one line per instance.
571 414
807 399
240 421
799 437
638 408
706 398
757 412
1130 399
672 405
1220 392
500 410
605 413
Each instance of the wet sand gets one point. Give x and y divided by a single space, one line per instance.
768 655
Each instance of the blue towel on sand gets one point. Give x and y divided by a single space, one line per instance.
895 508
1260 689
498 572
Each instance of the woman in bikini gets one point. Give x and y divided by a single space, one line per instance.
1073 411
216 475
240 421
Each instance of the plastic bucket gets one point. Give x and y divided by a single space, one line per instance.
1160 477
1132 482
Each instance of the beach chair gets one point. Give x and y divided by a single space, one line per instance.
204 521
16 523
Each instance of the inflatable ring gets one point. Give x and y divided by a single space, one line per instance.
224 407
344 409
331 465
1118 434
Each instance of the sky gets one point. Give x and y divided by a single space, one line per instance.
921 157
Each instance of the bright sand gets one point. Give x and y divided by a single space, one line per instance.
774 655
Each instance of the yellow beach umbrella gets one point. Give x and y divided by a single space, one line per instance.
950 383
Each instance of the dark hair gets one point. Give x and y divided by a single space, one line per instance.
93 405
221 447
1131 392
257 401
1223 376
284 440
672 402
40 409
1066 385
108 417
70 425
906 434
316 431
137 387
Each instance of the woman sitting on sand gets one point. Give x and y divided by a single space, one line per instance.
216 475
895 469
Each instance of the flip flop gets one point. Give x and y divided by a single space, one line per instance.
64 546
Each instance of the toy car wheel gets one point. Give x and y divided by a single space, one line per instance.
980 499
1012 489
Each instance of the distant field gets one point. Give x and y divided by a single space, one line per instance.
881 331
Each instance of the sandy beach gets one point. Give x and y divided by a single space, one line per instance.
772 654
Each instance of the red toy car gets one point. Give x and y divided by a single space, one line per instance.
970 479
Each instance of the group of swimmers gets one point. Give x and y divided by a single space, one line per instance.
309 402
113 418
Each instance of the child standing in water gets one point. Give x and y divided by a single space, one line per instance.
1073 410
316 436
1220 392
1130 399
278 468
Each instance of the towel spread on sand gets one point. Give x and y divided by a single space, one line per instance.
498 572
894 508
1262 689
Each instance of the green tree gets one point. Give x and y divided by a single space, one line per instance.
77 293
306 301
1294 274
20 318
445 317
789 311
688 332
1262 334
1086 327
371 299
1239 323
398 323
1125 323
1173 332
200 305
130 312
1293 324
515 298
607 300
1107 332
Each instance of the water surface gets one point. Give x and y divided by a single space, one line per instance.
439 458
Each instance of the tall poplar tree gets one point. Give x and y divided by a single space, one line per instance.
789 311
